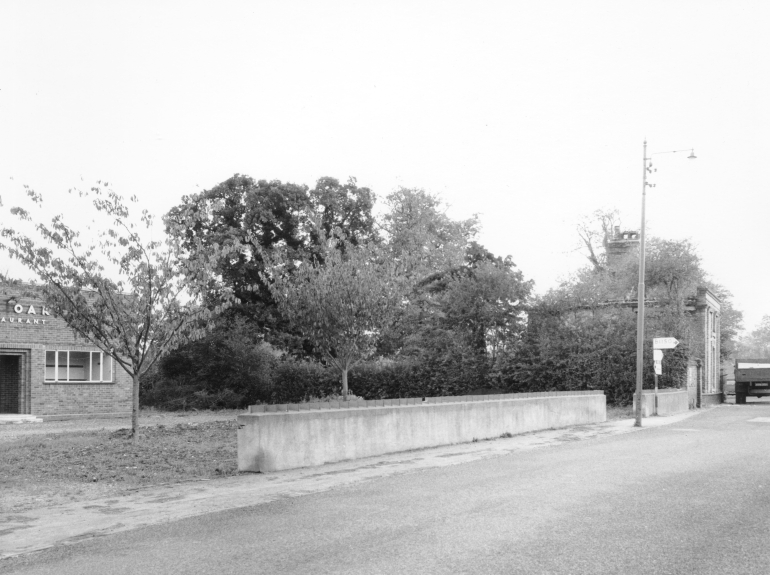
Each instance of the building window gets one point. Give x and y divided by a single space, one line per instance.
78 366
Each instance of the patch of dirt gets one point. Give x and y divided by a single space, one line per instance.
147 418
51 464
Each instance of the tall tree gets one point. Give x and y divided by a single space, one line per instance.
135 300
262 216
416 223
481 302
254 215
345 206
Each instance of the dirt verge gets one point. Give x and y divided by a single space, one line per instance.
49 463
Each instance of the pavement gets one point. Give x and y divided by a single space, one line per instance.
12 418
39 529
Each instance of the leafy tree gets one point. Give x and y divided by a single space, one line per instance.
246 213
341 299
459 321
567 348
416 224
261 216
480 303
132 299
346 207
756 345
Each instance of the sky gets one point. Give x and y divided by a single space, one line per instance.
529 114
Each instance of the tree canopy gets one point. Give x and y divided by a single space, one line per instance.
341 300
259 217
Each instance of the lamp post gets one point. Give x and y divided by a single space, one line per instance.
646 168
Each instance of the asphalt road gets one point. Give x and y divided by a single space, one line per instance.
693 497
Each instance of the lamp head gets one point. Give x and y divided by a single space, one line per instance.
692 155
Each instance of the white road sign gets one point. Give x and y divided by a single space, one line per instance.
659 367
657 354
664 342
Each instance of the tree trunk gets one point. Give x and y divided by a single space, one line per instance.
345 383
135 406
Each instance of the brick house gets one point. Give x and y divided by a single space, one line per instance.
46 370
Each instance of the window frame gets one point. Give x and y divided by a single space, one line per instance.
56 367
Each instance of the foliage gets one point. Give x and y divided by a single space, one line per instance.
567 348
416 224
340 300
673 272
471 313
457 307
346 207
259 217
133 299
464 305
755 345
296 381
229 368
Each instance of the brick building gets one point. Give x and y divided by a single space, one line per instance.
48 371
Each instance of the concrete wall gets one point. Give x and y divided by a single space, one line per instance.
670 402
271 441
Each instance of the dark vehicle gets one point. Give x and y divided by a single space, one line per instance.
752 378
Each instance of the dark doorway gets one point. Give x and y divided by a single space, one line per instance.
10 383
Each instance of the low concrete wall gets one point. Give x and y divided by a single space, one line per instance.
670 402
275 440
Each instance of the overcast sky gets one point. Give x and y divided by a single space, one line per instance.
529 113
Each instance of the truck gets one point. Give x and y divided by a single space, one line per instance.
752 379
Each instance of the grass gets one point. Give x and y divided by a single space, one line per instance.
60 467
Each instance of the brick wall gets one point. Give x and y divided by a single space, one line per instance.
27 332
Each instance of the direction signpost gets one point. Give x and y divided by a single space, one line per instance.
664 342
658 345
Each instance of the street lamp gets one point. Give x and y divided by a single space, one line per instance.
646 168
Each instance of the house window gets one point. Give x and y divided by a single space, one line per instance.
78 366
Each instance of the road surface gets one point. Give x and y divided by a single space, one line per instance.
688 498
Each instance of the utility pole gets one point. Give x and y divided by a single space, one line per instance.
640 302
